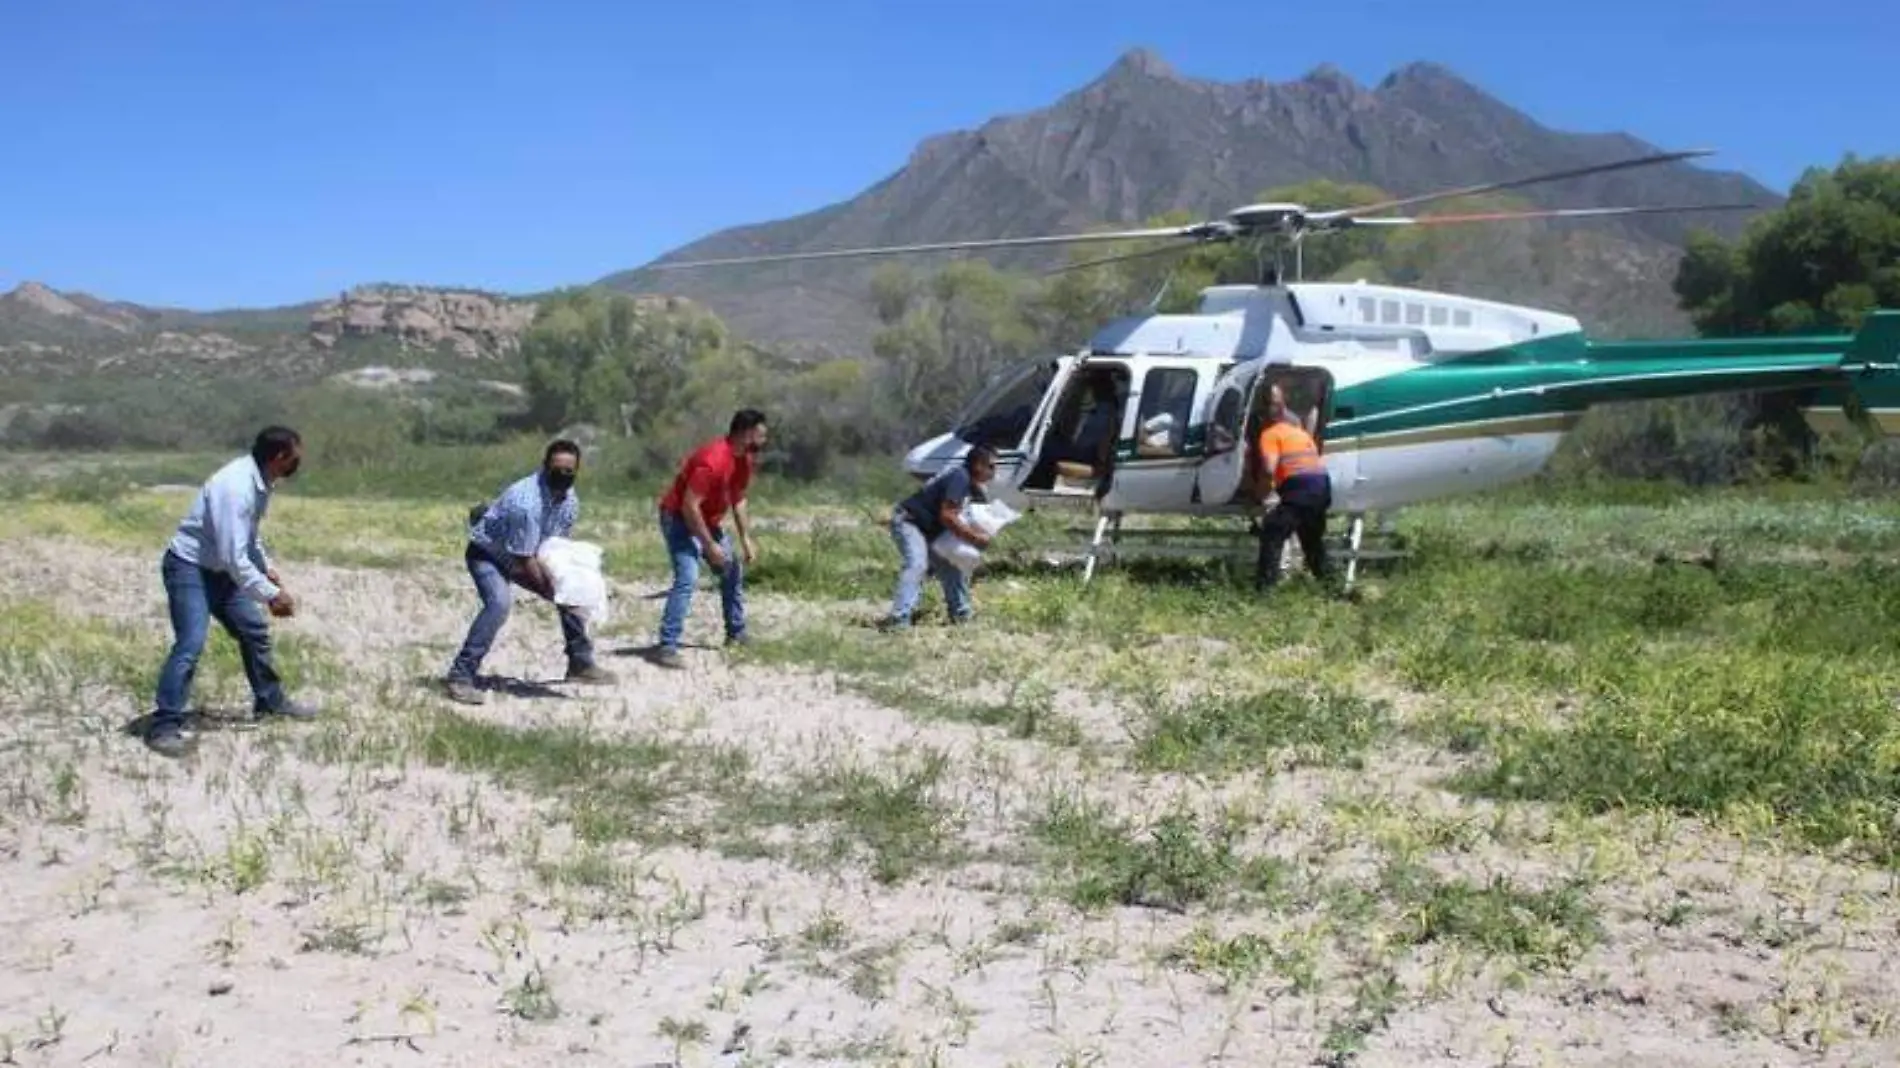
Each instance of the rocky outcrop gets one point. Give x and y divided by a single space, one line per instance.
35 301
474 325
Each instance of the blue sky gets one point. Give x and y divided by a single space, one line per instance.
222 153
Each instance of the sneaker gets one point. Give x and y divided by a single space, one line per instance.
739 641
591 674
893 625
463 692
168 741
669 658
289 710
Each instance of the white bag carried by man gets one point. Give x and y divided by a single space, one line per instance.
578 582
986 516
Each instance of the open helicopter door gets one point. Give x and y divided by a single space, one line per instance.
1220 476
1232 473
1003 416
1073 451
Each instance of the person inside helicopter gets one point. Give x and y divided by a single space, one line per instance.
1092 441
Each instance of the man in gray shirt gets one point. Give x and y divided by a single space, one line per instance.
216 567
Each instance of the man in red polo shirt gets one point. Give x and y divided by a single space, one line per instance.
710 483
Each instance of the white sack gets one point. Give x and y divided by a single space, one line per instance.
988 517
578 582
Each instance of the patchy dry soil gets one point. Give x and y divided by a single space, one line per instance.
754 863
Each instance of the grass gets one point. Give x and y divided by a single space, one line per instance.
1286 724
1558 729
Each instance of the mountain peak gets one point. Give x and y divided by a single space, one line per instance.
1332 76
1144 62
1142 140
1425 73
42 298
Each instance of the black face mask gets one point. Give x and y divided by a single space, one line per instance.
560 480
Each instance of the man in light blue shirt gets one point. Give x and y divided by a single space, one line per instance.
504 538
216 567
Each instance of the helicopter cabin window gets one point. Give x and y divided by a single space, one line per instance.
1439 316
1415 315
1167 401
1000 416
1368 310
1461 317
1389 312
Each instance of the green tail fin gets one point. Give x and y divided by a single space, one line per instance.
1869 393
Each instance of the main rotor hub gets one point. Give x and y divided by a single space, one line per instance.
1283 218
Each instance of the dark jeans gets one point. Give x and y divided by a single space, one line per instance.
494 583
1304 501
197 596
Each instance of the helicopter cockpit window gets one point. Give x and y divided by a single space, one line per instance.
1167 402
1000 416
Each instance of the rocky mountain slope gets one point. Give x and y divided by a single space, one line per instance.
47 332
1143 139
1139 140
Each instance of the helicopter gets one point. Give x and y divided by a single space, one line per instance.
1411 394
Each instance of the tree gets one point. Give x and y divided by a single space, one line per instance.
614 359
945 334
1820 262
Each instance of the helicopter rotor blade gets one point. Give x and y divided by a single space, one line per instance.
1204 231
1125 257
1546 213
1356 214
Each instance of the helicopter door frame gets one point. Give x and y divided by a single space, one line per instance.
1039 424
1012 454
1040 481
1311 399
1218 478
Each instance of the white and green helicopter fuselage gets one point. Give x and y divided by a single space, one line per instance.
1413 395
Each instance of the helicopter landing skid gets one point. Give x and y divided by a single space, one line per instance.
1109 542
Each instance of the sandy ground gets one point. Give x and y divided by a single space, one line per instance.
316 894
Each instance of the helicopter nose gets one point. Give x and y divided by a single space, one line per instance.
923 460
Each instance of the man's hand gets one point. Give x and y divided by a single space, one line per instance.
271 574
968 533
283 606
716 556
532 575
751 549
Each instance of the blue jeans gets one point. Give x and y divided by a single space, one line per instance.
914 550
495 585
685 553
197 596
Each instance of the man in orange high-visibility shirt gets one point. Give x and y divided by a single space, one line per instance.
1291 464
